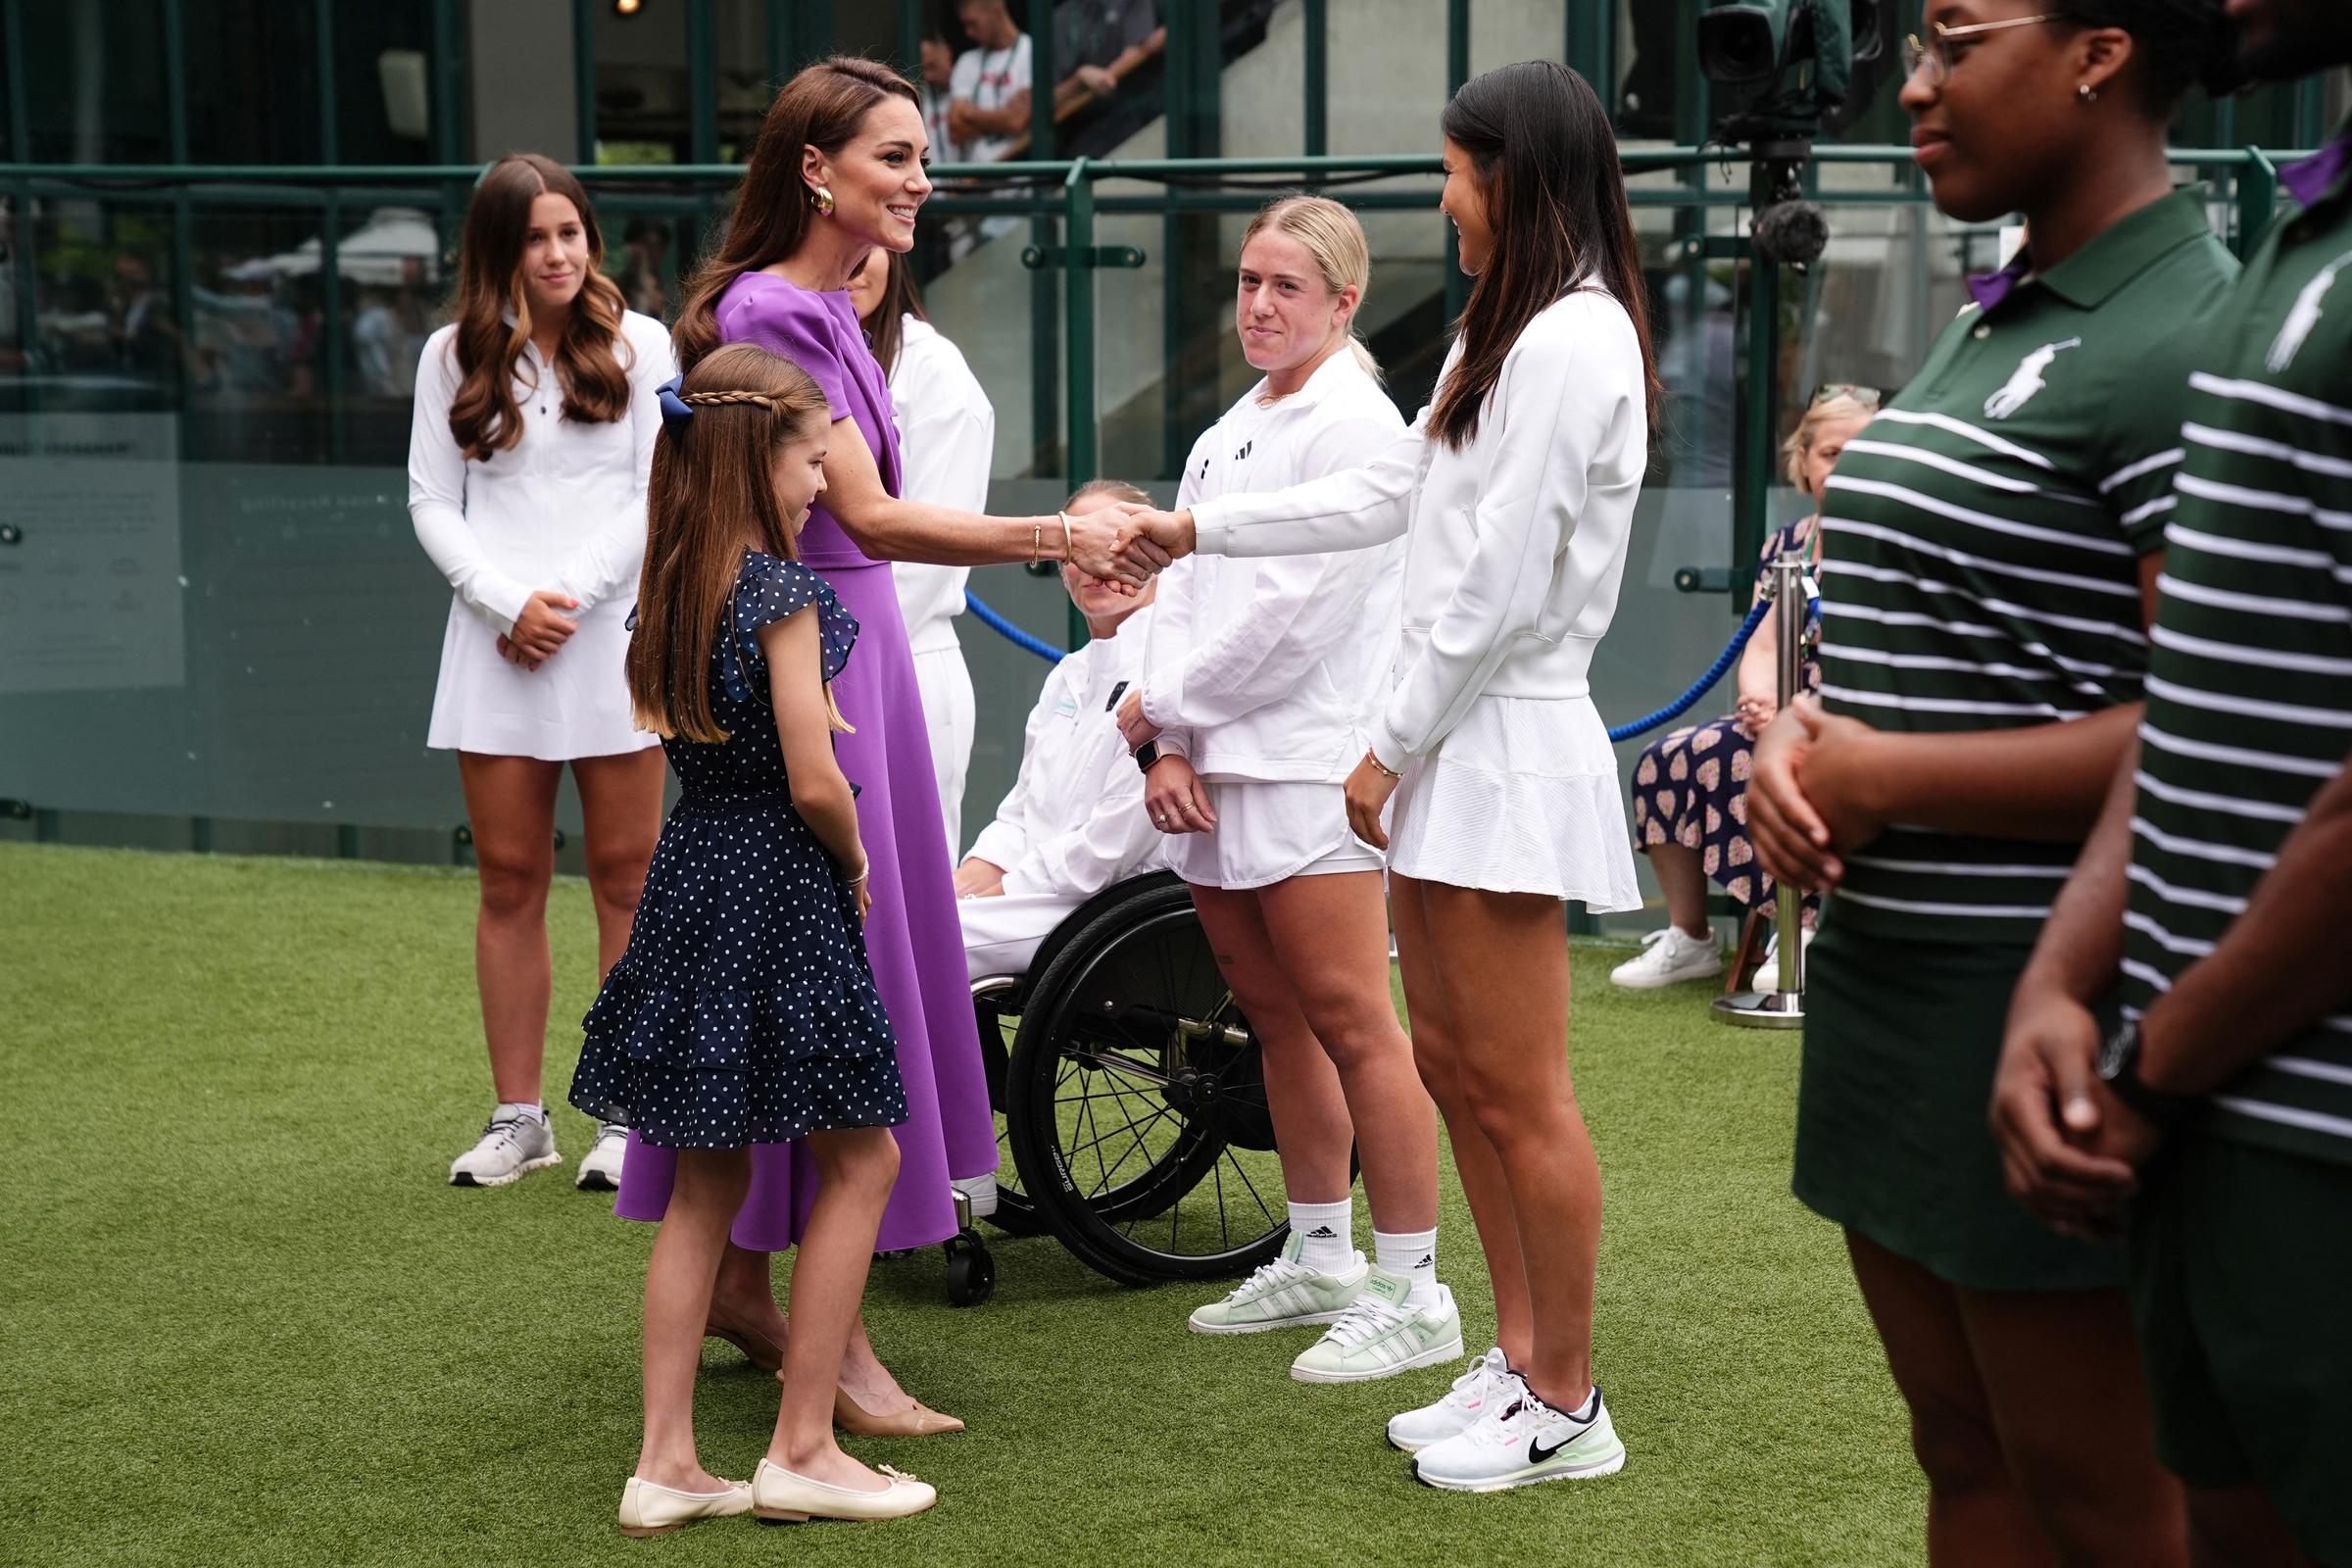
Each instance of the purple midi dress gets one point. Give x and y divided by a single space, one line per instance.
913 939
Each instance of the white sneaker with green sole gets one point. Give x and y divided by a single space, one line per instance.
1382 1335
1284 1293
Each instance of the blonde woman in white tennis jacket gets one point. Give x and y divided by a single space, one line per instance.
948 434
1260 676
1515 492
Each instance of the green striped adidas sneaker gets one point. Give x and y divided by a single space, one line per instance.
1382 1335
1282 1294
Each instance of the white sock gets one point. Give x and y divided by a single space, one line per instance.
520 1110
1326 1234
1412 1254
981 1190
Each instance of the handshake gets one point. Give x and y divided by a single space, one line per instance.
1126 545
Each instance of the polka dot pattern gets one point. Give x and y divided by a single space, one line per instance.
744 1010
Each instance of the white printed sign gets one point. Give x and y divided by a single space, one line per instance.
91 590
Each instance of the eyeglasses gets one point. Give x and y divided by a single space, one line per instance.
1937 55
1867 396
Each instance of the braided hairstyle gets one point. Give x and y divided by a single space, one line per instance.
711 493
2177 44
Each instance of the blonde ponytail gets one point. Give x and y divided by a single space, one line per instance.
1328 232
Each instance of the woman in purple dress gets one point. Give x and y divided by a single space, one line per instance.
838 170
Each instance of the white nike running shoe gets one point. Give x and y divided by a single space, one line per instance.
1520 1442
1459 1410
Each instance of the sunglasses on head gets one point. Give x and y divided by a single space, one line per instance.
1867 396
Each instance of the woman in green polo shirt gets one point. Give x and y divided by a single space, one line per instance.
1989 551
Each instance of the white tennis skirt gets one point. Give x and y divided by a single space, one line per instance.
1268 832
1521 796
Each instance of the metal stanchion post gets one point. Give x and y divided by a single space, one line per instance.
1783 1009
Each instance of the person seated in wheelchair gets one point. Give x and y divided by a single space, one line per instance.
1073 823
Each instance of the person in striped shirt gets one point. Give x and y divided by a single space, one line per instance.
2215 890
1987 554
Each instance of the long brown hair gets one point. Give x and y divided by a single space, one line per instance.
712 488
1546 162
886 327
821 108
483 416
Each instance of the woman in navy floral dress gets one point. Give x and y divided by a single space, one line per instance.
1691 788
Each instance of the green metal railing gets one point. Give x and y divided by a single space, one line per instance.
1063 198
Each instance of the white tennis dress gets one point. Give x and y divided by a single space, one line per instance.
1515 546
947 436
561 509
1266 672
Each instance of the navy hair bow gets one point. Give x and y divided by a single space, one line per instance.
675 411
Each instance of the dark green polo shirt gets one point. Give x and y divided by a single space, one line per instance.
1982 539
2250 680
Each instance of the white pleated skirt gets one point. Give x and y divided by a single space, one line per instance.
1521 796
577 704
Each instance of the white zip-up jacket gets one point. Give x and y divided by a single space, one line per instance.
1073 822
1271 670
1514 546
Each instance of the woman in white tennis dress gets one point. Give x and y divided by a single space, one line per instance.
1515 492
528 461
1260 677
947 432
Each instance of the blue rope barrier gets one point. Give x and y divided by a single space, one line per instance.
1008 631
1622 732
1683 705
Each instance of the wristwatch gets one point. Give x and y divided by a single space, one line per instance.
1146 755
2119 1069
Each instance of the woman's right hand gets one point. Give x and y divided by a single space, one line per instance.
1174 799
542 627
1152 538
1096 548
1755 712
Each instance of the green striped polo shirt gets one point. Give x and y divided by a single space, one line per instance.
1979 559
2250 679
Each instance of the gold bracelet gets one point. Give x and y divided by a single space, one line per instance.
1067 550
1037 539
1373 757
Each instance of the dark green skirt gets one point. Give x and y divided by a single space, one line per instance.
1901 1040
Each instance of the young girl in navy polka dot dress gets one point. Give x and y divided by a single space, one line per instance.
744 1011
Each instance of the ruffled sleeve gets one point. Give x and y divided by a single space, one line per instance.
795 325
766 591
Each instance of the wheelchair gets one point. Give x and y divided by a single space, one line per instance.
1131 1099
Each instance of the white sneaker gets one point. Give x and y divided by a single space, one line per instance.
1668 957
1383 1334
600 1171
1458 1411
1768 973
510 1146
1519 1442
1284 1294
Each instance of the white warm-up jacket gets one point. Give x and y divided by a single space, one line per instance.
1514 546
1268 670
947 436
1073 822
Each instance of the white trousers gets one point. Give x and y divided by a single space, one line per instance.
946 684
1001 934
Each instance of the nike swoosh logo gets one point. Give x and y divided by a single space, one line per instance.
1537 1453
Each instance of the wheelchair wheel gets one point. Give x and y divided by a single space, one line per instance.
1135 1102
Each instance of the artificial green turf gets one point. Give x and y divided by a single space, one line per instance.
246 1321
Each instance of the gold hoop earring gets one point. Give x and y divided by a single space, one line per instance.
822 200
2087 94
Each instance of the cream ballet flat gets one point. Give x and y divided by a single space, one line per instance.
784 1496
647 1509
